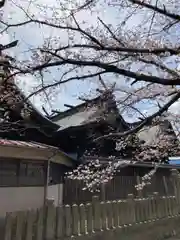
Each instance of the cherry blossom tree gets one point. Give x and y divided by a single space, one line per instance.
136 53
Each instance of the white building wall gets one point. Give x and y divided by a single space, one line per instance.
24 198
55 192
20 198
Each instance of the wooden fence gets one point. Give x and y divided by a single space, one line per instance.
88 219
154 217
118 188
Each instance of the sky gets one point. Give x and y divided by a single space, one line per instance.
32 36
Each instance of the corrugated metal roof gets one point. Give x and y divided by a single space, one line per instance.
35 145
23 144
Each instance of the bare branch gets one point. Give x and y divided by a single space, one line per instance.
108 68
62 82
156 51
145 122
156 9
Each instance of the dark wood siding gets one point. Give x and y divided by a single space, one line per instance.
120 186
56 173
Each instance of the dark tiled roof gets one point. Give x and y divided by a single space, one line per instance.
13 100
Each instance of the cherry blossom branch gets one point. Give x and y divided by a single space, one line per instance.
144 122
156 9
156 51
63 82
108 68
53 25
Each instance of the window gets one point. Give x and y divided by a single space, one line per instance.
31 173
8 173
21 173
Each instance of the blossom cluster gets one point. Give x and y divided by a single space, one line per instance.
93 173
146 179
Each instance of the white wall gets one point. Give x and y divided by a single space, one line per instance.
55 192
20 198
24 198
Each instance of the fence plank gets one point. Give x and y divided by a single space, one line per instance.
139 191
103 216
90 226
75 220
31 217
109 215
143 209
131 208
154 207
166 207
150 208
156 200
40 224
146 203
20 225
96 213
68 221
50 222
115 214
174 206
170 206
118 212
60 226
8 226
83 229
138 210
121 208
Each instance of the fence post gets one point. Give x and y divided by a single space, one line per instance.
115 214
89 218
139 192
157 205
103 216
50 221
75 220
176 184
96 213
40 223
82 211
103 192
68 221
131 208
8 226
20 223
150 207
165 185
60 223
31 218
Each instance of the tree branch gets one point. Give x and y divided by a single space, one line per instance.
144 122
62 82
156 9
108 68
156 51
76 29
